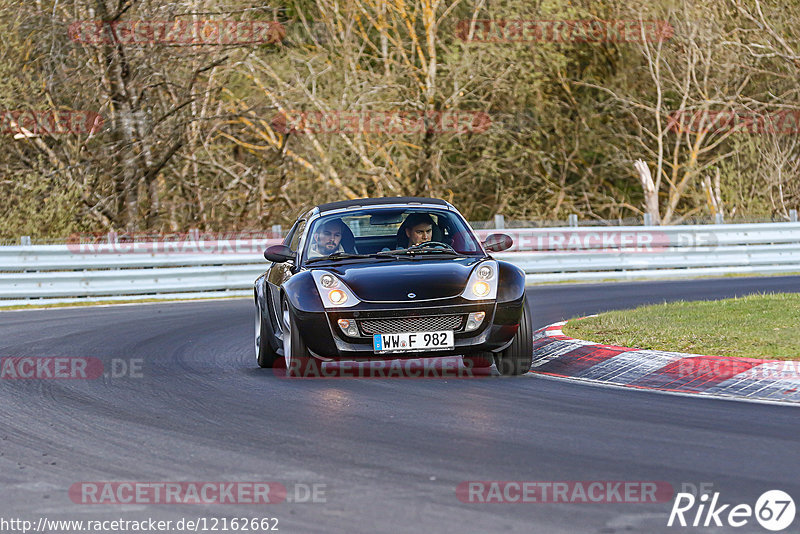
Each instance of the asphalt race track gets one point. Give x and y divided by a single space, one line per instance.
387 453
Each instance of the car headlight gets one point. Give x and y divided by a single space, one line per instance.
481 288
337 297
482 283
334 292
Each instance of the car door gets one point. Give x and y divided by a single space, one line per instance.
278 273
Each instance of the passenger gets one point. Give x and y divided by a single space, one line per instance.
327 239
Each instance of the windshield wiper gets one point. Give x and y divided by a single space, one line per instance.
345 256
338 256
429 247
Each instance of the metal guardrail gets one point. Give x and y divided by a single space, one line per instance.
114 271
76 272
633 252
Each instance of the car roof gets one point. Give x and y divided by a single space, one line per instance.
363 202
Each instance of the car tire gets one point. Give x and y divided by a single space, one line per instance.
518 357
265 355
295 353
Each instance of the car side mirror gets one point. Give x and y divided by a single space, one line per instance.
279 254
498 242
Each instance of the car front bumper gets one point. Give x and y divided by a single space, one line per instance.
325 339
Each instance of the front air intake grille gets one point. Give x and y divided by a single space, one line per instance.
397 325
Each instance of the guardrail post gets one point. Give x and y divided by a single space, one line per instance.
499 221
277 231
573 220
793 215
25 241
719 219
648 219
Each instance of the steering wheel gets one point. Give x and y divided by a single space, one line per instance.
434 244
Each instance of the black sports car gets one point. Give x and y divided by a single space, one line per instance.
390 278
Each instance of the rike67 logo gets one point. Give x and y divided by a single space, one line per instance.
774 510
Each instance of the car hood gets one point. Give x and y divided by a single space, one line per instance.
395 280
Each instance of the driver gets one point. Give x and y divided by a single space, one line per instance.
419 228
327 239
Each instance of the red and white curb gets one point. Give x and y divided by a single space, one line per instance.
555 354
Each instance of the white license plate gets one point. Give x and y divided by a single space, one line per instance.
413 341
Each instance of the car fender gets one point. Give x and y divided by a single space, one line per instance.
510 294
511 284
301 292
262 302
259 291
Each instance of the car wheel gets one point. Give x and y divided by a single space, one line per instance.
480 361
295 352
265 356
518 357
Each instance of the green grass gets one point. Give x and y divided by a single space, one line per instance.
755 326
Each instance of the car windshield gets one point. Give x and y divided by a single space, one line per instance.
399 231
